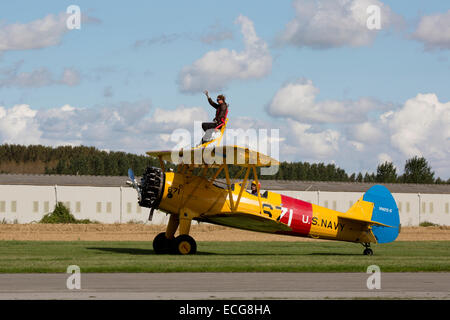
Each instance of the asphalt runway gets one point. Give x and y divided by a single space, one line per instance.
225 286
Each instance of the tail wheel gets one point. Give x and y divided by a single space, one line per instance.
184 244
161 244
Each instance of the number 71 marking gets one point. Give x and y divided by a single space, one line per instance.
284 210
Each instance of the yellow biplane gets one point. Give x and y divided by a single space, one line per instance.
194 192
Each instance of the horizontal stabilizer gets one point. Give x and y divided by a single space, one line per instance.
361 211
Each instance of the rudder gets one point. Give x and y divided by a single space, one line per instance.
384 211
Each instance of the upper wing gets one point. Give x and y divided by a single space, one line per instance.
216 156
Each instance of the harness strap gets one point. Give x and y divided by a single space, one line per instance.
222 120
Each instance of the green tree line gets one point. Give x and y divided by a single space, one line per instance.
77 160
82 160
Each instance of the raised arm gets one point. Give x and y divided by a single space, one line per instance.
211 102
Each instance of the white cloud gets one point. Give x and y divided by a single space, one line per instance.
384 157
124 126
358 135
422 127
18 125
216 69
367 132
319 145
334 23
40 77
37 34
169 120
297 100
434 31
70 77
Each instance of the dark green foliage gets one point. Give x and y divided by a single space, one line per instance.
79 160
386 173
61 214
417 170
428 224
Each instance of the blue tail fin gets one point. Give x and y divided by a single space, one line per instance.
384 211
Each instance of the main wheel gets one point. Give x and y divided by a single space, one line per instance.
184 244
161 244
368 252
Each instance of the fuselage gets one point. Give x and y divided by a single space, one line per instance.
276 213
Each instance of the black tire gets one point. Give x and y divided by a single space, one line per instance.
368 252
184 244
161 244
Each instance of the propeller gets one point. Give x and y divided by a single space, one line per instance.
132 182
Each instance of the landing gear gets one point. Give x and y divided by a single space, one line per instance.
161 244
166 242
184 244
367 251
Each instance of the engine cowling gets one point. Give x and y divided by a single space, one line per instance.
151 187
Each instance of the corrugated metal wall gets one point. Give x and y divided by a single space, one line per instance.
25 204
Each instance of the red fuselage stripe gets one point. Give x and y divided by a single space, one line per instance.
298 213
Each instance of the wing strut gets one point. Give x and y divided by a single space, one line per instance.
243 185
257 188
230 192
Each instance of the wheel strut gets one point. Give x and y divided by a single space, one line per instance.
367 251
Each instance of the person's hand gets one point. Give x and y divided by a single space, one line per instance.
206 92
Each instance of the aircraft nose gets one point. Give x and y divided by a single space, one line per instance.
152 187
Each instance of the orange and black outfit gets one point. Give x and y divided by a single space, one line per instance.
218 121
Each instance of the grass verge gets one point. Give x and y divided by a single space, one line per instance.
320 256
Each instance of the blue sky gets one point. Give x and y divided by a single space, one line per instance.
135 53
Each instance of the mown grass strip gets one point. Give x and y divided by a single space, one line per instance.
320 256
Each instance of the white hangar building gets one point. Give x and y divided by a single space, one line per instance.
27 198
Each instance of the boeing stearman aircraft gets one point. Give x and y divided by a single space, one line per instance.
202 197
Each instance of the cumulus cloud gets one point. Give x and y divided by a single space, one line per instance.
360 134
367 132
181 116
434 31
384 157
128 126
312 145
330 23
297 100
37 34
40 77
18 125
420 127
216 69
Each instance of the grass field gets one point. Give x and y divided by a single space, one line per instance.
320 256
